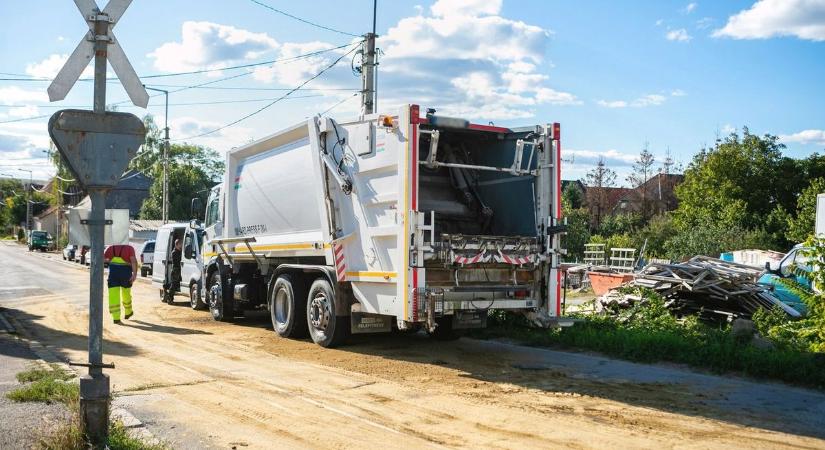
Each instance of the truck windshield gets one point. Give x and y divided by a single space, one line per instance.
39 234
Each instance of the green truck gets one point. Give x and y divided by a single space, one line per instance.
39 240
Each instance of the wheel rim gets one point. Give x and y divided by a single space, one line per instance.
215 299
193 295
320 312
282 306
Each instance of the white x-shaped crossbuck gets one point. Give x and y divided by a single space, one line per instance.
85 52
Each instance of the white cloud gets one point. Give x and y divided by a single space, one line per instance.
678 93
14 95
728 129
462 59
680 35
804 19
473 8
49 67
659 22
690 7
592 156
815 137
211 45
25 111
60 39
641 102
704 23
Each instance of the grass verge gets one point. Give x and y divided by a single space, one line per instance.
647 333
54 385
70 437
46 385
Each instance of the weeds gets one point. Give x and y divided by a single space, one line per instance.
647 332
71 437
54 385
46 385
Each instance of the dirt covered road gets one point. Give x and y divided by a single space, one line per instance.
202 384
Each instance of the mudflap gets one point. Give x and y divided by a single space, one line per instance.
361 322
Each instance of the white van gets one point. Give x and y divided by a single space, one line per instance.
191 263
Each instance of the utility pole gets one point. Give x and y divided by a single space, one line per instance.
165 206
369 72
28 201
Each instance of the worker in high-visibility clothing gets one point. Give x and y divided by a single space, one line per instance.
122 273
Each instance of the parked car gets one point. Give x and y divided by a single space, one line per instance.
39 240
69 252
147 257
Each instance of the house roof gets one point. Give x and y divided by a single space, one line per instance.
145 225
611 196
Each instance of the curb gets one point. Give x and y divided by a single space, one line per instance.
47 359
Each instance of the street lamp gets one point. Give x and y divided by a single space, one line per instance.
28 201
165 207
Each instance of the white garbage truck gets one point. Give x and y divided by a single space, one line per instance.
401 220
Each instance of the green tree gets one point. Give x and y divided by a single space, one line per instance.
801 227
642 172
656 233
735 188
572 196
598 180
578 228
193 170
626 223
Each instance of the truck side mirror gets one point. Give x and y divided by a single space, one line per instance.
196 208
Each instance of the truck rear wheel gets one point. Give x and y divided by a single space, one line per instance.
195 300
287 308
325 328
220 304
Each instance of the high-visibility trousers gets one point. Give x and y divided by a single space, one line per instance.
120 287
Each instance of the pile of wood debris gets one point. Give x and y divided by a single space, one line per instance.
709 287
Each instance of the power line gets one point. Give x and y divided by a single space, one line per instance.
302 20
26 118
191 72
244 88
216 102
338 104
259 110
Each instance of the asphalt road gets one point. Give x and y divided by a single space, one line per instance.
202 384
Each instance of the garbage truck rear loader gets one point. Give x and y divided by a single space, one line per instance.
391 220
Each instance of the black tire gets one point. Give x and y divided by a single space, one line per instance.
325 328
444 331
195 300
221 304
288 308
143 272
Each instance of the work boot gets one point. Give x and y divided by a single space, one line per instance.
127 316
116 321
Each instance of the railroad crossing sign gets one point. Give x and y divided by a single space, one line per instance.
96 147
85 51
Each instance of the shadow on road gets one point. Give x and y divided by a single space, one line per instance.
64 340
156 328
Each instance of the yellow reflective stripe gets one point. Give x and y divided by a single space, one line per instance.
118 260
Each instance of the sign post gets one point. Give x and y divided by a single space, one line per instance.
97 147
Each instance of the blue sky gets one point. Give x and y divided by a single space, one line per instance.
615 74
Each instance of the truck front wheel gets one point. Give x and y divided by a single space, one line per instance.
220 304
325 328
287 308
